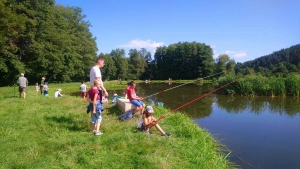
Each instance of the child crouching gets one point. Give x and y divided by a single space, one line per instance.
148 121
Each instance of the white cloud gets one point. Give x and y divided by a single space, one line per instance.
215 54
236 54
137 43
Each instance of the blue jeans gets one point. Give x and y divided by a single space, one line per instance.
137 103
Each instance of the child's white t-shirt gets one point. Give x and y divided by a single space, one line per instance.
83 88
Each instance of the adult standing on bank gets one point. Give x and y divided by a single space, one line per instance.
23 83
95 73
42 84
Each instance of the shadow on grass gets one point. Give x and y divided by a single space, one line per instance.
74 94
113 110
67 122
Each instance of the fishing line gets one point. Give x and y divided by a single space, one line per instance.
230 151
181 85
200 97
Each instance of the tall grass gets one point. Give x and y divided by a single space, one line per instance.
48 132
257 85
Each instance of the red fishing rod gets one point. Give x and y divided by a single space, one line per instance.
172 111
180 85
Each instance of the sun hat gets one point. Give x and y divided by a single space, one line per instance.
22 74
149 109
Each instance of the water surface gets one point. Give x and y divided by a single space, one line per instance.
262 131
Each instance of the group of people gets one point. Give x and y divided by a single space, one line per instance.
23 83
95 98
146 120
97 91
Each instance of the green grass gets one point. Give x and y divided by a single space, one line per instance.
40 132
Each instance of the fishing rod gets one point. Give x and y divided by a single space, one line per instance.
181 85
200 97
49 79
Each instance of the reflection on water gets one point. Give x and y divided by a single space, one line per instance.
289 106
264 131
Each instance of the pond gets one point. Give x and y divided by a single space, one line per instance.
260 132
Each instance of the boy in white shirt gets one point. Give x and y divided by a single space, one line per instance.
83 89
57 93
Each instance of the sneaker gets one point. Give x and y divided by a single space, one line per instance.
147 132
94 131
166 134
98 133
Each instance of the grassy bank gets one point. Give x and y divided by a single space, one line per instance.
41 132
257 85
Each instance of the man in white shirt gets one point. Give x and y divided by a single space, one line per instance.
95 73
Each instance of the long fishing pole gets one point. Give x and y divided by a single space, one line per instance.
200 97
181 85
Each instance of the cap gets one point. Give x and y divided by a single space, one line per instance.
115 94
22 74
128 83
149 109
59 89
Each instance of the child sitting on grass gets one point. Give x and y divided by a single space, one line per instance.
95 102
148 121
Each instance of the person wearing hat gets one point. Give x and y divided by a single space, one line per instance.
114 99
57 93
23 83
42 84
147 121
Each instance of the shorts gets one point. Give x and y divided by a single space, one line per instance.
83 94
137 103
96 118
22 89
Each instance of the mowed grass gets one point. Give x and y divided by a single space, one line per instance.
40 132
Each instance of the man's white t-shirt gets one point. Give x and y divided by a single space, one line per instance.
95 73
83 88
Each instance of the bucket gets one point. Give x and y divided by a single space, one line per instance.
160 104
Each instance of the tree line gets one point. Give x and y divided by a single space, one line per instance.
279 63
183 60
40 38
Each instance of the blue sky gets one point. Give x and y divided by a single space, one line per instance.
243 29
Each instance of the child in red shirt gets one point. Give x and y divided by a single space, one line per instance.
94 99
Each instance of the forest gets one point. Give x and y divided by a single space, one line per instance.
40 38
279 63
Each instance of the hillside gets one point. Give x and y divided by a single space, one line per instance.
279 63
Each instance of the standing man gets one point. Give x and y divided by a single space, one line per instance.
42 84
95 73
23 83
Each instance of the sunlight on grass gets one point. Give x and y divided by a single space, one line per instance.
48 132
